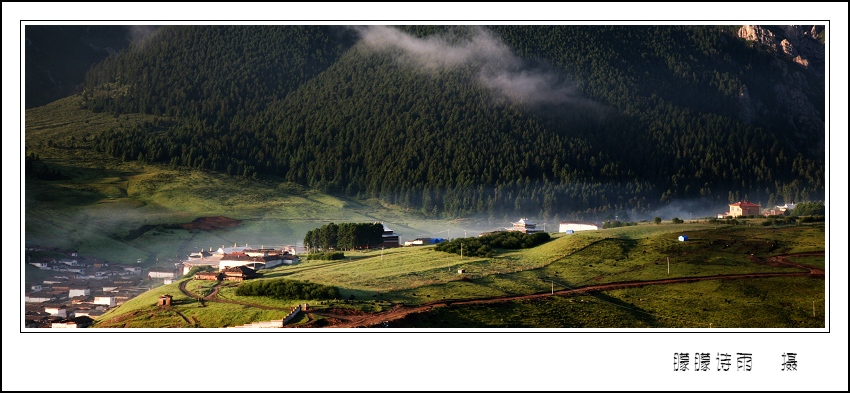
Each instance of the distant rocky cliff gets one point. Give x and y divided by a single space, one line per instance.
803 46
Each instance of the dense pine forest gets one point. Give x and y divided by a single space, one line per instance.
451 121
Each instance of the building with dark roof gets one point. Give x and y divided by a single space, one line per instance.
239 273
389 239
524 226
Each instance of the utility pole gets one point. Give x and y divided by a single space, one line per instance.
668 266
813 308
553 287
461 253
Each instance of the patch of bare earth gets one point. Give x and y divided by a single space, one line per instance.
211 223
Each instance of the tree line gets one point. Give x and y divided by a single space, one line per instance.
287 289
344 236
484 246
35 167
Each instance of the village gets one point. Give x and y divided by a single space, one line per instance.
77 288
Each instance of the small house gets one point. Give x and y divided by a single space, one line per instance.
164 300
37 298
161 272
44 265
683 238
105 300
133 269
78 291
59 311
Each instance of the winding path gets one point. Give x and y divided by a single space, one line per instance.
400 311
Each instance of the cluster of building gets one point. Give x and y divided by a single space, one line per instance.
234 257
526 226
81 289
235 273
747 208
78 289
780 210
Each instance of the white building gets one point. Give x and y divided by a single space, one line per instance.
59 311
74 292
37 298
91 313
786 207
105 300
133 269
418 242
55 280
160 273
256 263
576 226
43 265
253 257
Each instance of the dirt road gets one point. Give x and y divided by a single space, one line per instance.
398 312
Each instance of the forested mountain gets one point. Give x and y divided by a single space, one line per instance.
453 121
58 57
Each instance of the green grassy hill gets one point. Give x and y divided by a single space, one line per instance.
376 280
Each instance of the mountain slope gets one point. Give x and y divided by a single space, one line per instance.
538 120
58 57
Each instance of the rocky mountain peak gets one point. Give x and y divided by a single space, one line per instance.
800 44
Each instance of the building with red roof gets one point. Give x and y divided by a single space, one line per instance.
743 208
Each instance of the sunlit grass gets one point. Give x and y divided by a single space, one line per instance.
373 280
762 303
